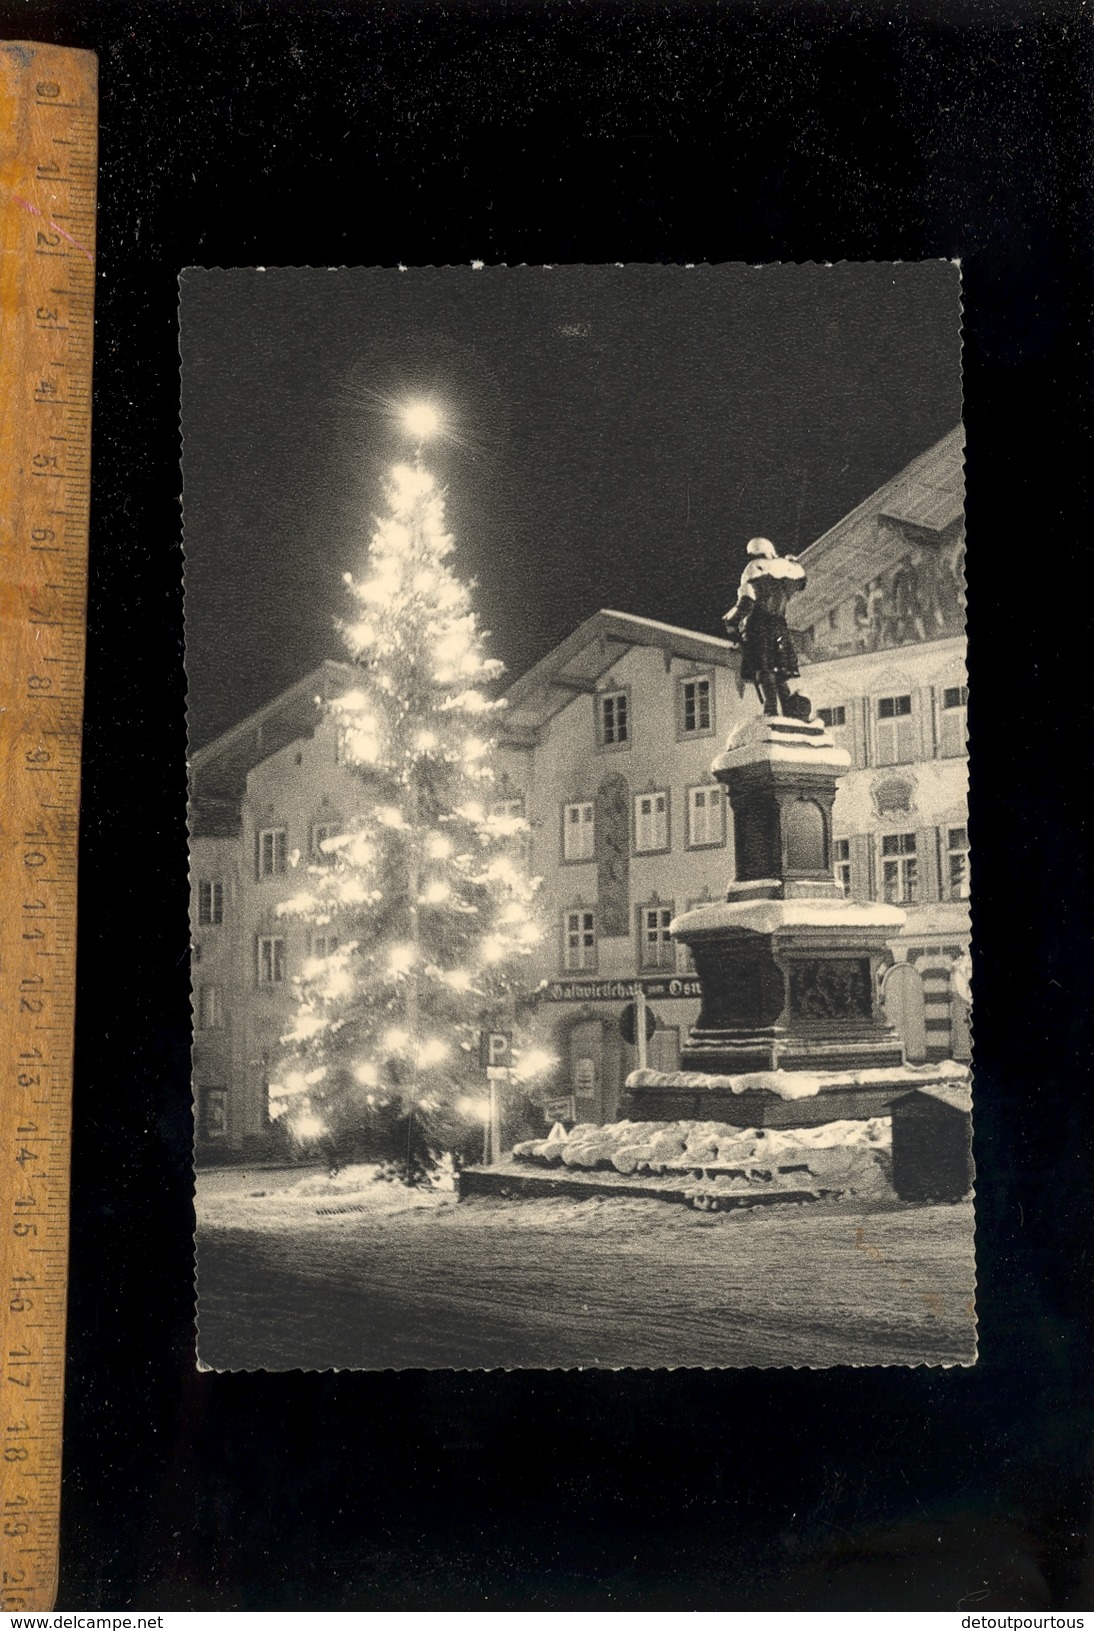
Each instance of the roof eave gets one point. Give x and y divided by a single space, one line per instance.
613 628
206 755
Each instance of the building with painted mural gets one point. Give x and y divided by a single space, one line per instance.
606 750
882 623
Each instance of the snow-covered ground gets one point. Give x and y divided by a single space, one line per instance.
299 1269
850 1156
274 1198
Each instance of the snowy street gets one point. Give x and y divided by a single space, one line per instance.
299 1270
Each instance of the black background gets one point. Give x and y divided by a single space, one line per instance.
235 134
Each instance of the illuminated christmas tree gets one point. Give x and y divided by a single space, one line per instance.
425 898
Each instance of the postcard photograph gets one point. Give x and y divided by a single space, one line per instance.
579 837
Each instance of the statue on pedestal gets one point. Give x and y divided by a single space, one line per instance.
757 623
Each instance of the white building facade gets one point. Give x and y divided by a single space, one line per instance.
882 624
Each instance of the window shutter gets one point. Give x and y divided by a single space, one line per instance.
924 705
856 721
861 881
258 857
926 845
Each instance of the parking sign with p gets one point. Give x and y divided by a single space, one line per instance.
496 1050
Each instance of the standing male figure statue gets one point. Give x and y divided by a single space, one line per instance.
757 623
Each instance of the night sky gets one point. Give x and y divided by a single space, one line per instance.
617 435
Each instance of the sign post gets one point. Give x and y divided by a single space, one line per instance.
637 1024
495 1055
495 1120
640 1025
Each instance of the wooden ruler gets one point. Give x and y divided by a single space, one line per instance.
48 150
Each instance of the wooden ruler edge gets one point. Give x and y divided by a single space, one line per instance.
47 271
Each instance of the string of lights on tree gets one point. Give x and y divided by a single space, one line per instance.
424 900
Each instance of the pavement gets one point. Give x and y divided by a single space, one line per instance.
393 1278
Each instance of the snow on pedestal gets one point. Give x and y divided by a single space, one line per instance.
789 969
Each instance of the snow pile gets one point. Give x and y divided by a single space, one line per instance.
350 1181
803 1084
839 1154
362 1178
277 1199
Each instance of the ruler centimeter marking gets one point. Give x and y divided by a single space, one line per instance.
48 160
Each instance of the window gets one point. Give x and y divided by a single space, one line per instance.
210 902
952 716
508 809
656 947
579 940
841 863
651 822
899 869
836 723
706 816
957 863
895 731
319 835
696 707
210 1008
324 945
213 1112
271 850
578 832
613 716
271 960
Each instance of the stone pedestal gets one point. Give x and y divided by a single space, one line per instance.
789 969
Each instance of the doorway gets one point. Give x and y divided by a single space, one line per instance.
594 1059
905 1009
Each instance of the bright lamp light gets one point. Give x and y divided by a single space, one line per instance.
421 419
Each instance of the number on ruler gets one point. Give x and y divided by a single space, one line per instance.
55 326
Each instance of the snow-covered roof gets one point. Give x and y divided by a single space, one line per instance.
956 1095
928 494
587 654
218 771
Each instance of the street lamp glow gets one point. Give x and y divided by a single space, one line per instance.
421 420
